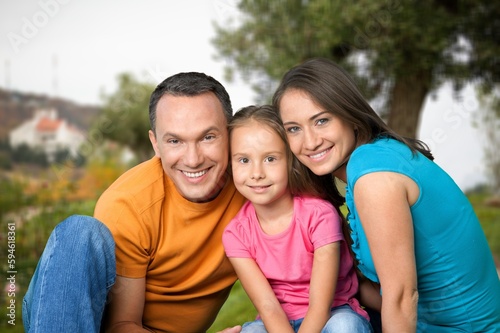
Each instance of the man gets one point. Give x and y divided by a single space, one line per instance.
166 216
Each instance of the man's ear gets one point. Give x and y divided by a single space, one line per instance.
154 143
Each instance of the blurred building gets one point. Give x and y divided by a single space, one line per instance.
46 131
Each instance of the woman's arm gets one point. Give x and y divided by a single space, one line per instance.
383 201
324 277
262 295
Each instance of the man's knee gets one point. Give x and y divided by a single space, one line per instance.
81 223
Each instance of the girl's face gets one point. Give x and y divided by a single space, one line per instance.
259 163
320 140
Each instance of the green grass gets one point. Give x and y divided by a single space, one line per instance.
490 222
237 310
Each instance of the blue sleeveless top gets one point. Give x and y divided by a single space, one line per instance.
458 283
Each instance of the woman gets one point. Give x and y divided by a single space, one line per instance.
413 230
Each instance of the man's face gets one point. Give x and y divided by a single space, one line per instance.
192 142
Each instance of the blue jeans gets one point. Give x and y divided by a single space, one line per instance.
68 290
343 319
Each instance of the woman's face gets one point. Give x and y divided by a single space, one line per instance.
321 141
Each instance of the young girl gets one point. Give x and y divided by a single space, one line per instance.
286 244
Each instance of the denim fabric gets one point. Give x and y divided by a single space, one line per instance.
68 290
343 320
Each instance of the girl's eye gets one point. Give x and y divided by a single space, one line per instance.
270 159
243 160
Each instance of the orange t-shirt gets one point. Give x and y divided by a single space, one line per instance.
172 242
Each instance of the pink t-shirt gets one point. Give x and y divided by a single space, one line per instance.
286 259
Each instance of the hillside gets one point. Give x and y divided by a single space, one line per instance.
16 107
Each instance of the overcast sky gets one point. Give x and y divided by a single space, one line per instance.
75 49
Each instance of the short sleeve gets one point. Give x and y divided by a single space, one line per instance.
235 240
117 212
325 225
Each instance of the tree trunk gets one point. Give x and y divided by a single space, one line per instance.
407 98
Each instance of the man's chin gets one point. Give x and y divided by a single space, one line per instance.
205 190
200 193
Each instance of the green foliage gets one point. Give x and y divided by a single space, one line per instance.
100 173
33 227
12 195
125 116
489 217
5 155
489 123
62 156
24 154
394 48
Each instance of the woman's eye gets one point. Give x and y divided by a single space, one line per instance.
292 129
322 121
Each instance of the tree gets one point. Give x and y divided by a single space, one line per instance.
489 123
399 51
125 117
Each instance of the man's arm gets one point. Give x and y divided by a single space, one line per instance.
126 306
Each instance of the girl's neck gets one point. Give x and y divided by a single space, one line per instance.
275 217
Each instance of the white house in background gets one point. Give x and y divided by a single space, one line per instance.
45 130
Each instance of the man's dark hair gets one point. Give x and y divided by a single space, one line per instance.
189 84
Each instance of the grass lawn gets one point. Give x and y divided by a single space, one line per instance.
237 310
490 222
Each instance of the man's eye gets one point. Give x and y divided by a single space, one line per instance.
209 137
173 141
